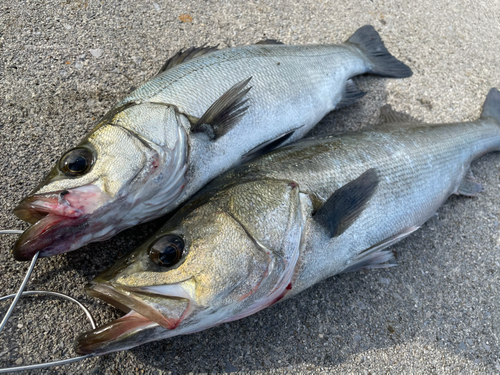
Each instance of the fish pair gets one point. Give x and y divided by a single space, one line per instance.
267 229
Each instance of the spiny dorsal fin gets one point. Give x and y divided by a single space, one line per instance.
269 41
225 112
267 147
350 95
183 56
346 204
389 116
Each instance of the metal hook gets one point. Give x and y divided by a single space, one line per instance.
18 295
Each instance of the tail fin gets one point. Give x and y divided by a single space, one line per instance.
368 40
491 106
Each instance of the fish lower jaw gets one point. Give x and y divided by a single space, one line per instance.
133 329
113 336
54 234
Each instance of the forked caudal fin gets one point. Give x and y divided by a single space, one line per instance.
491 106
368 40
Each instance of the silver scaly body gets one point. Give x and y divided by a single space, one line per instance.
292 88
271 228
419 168
204 113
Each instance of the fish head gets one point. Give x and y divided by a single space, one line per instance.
213 262
107 182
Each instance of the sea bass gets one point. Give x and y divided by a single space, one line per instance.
205 112
271 228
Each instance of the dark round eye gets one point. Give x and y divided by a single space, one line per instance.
76 162
167 250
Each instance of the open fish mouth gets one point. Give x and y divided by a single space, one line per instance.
146 309
60 221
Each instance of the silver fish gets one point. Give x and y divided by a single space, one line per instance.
206 112
273 227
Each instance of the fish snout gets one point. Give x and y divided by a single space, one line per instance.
33 208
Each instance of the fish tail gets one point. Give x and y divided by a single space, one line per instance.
491 106
368 40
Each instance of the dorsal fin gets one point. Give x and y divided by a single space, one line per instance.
389 116
345 205
225 112
269 41
183 56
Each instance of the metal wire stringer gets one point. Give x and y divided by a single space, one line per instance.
18 295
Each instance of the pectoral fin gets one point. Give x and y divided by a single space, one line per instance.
345 205
225 113
267 147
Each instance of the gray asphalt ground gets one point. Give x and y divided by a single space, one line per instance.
65 63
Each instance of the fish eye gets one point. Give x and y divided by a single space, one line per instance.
167 250
76 162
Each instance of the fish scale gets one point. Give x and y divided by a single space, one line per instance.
309 64
417 175
304 83
275 226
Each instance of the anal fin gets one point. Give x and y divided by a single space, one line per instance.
346 204
225 112
377 256
469 186
350 95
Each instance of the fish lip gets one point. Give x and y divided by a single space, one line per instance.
44 211
58 222
111 336
34 208
48 242
125 299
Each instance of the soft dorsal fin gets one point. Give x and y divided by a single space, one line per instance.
269 41
225 112
346 204
266 147
350 95
390 116
183 56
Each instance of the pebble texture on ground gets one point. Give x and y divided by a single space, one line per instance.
65 63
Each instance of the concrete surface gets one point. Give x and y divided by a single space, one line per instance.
64 63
